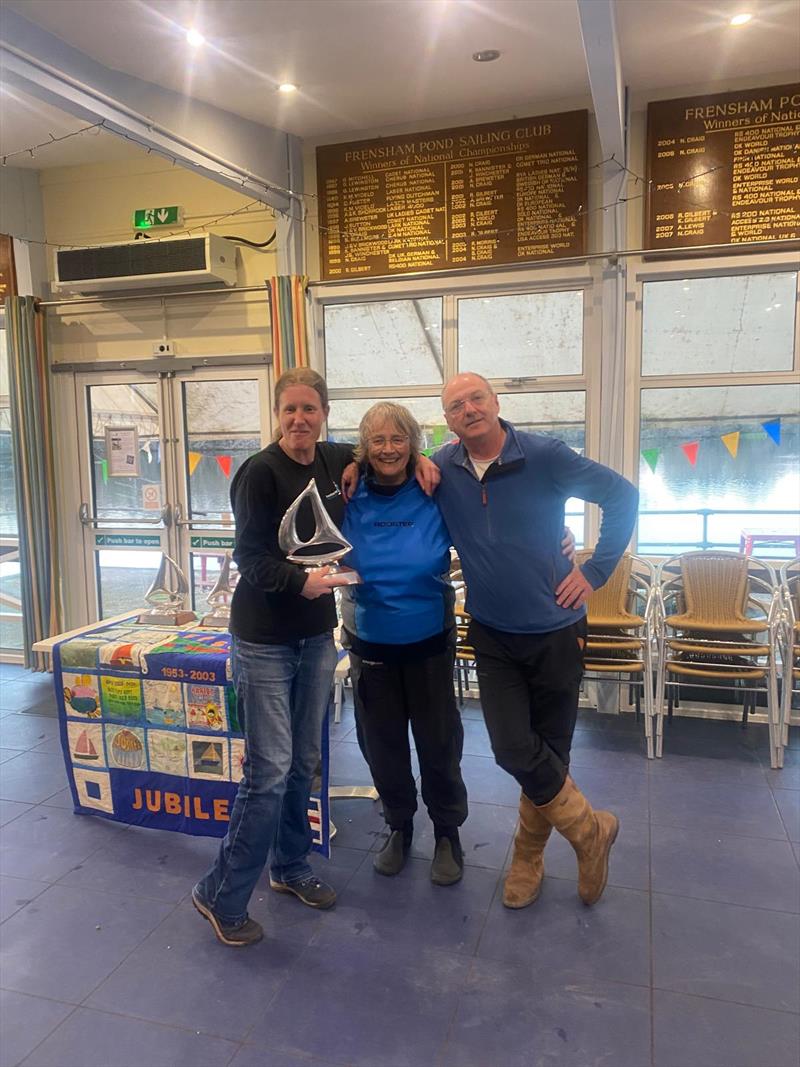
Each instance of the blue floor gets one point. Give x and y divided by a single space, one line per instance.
691 959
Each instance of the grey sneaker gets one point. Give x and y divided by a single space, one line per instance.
311 890
237 935
448 862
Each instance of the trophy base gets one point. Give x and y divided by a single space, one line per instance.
350 576
166 618
216 622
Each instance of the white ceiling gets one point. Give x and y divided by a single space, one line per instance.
376 64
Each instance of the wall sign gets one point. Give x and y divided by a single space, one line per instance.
122 451
724 168
504 192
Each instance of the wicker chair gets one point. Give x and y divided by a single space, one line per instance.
619 640
465 654
790 642
718 623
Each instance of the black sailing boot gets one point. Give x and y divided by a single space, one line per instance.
392 857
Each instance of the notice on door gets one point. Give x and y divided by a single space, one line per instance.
724 168
122 451
505 192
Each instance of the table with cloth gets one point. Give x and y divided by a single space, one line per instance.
149 728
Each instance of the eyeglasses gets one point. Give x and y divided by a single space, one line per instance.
476 399
397 441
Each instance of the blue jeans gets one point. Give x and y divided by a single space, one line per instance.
282 695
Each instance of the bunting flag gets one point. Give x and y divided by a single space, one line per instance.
194 459
287 304
225 464
438 434
650 456
104 470
773 428
731 442
690 451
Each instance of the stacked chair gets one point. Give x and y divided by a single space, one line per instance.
465 654
619 641
718 623
790 642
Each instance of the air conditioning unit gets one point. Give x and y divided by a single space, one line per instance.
146 264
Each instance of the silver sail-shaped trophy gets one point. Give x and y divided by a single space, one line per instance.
167 597
219 599
326 534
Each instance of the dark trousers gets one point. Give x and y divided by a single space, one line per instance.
390 696
529 685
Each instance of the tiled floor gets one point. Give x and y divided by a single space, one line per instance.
691 959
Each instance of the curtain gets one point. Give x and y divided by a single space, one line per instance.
287 301
34 473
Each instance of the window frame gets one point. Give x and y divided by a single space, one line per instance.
642 271
585 277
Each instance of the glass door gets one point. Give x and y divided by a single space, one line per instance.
124 508
221 417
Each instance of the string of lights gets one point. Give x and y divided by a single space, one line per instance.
247 181
33 149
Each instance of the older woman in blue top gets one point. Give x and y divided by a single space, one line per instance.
399 627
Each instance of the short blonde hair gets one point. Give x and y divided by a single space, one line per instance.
403 420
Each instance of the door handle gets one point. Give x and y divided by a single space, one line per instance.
164 516
179 520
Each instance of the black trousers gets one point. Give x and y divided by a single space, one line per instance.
529 685
390 696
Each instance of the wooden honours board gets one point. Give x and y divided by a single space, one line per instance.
502 192
724 168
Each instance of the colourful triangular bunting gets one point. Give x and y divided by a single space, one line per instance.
731 442
438 434
650 456
773 428
225 464
690 451
194 458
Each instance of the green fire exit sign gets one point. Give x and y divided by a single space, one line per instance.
145 218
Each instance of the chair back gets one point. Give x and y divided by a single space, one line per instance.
610 601
715 586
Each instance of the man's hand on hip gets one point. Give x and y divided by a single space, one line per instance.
574 591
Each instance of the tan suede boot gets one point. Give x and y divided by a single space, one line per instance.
591 834
524 878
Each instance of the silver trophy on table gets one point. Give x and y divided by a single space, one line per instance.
326 533
220 597
167 597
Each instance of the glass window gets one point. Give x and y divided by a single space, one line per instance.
123 578
223 428
128 406
719 325
386 343
345 415
717 463
532 335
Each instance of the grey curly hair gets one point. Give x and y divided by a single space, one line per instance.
403 420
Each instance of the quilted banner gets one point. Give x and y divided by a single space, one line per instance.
150 731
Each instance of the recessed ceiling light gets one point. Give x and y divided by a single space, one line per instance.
486 56
287 87
194 37
740 20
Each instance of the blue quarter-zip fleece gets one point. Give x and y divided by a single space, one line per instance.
507 529
401 549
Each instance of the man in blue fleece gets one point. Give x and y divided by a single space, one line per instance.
502 496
